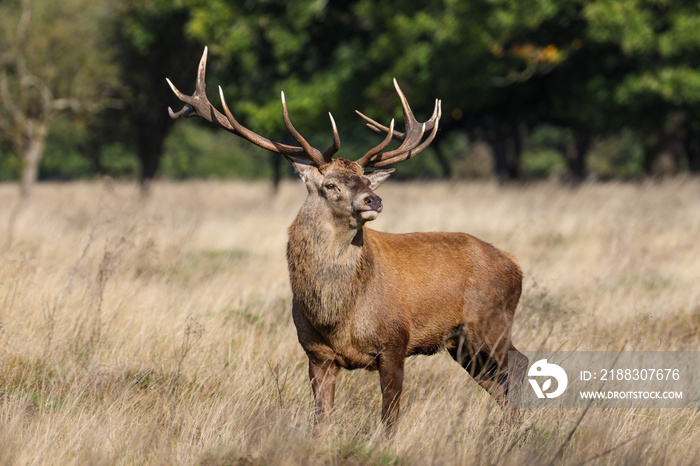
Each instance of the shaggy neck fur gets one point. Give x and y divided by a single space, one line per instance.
329 264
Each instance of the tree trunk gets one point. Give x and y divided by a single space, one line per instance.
276 162
31 158
500 159
692 153
150 142
514 163
649 156
576 157
444 162
506 145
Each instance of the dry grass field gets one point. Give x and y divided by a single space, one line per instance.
159 331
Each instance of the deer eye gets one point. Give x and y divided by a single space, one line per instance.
331 186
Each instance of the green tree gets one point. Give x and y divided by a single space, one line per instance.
152 45
342 56
53 59
662 92
259 48
591 69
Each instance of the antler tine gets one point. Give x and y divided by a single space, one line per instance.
256 139
314 153
198 105
384 161
378 148
413 134
335 147
411 140
378 127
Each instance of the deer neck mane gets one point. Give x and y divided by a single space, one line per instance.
329 264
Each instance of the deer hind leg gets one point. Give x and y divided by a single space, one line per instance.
489 367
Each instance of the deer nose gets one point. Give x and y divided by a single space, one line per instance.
374 202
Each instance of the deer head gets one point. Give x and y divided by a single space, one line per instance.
345 187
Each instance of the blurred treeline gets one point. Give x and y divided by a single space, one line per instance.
530 88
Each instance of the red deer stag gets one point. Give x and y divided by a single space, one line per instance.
368 299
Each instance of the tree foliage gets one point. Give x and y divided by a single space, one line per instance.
53 59
151 42
554 76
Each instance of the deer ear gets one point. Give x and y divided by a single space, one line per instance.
377 177
304 168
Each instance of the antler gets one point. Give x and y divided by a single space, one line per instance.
411 145
198 105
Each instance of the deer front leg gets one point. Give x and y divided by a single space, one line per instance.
322 375
391 381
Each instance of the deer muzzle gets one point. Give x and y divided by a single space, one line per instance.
368 206
373 202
